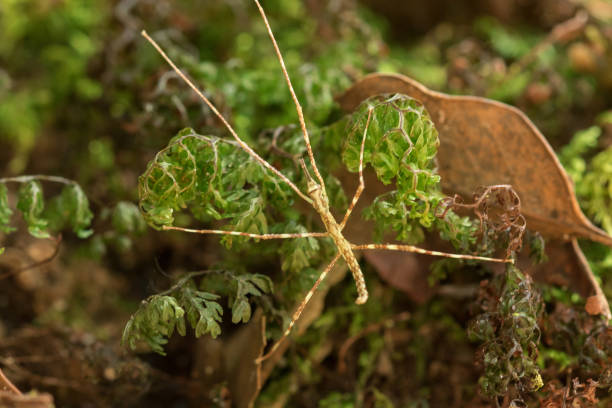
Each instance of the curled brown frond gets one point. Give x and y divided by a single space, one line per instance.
498 209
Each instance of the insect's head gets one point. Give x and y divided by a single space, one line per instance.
311 185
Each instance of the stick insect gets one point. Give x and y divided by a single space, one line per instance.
315 196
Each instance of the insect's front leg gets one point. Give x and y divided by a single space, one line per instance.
248 234
361 185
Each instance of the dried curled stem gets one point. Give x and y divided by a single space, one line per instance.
498 209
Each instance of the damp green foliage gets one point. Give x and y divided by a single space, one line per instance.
461 232
157 317
69 209
595 189
298 253
401 144
579 341
337 400
31 203
124 225
203 313
215 179
155 320
509 333
592 178
47 48
237 63
441 269
401 141
243 286
537 247
572 154
507 43
5 210
126 219
564 360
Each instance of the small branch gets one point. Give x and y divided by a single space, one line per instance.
6 384
560 33
41 379
276 149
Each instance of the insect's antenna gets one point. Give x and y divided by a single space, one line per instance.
306 172
298 107
229 127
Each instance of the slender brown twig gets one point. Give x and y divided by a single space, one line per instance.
6 384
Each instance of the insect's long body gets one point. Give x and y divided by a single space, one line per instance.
321 205
316 196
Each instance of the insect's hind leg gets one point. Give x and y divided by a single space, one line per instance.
299 310
415 249
361 185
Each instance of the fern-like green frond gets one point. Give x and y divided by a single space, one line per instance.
31 203
70 208
401 145
214 179
5 210
157 317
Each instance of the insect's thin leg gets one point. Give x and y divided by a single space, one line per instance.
412 248
229 127
300 309
361 186
298 107
247 234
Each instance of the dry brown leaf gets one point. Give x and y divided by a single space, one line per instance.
567 267
484 142
240 352
406 272
231 360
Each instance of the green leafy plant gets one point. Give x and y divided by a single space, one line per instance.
509 332
593 179
69 209
160 315
62 38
